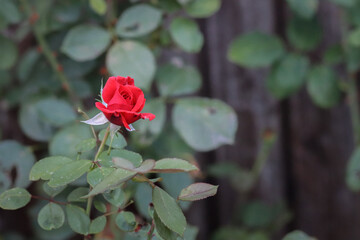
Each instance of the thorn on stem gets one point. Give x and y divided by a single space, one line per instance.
66 87
60 68
33 18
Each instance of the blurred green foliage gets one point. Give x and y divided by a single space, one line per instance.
55 55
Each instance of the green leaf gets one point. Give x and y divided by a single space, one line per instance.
9 11
169 6
86 145
197 191
52 192
142 234
78 220
143 198
334 54
123 163
97 225
202 8
174 165
133 157
168 211
32 124
304 8
55 111
304 35
352 171
65 141
186 34
257 214
66 11
74 69
112 181
241 179
344 3
323 87
354 37
46 167
352 58
51 216
14 198
221 170
352 15
130 58
14 156
5 79
77 193
145 166
147 132
117 142
174 183
138 21
298 235
85 42
99 6
254 50
69 172
117 197
288 76
162 230
100 206
229 233
3 23
204 124
98 174
126 221
27 64
191 233
81 88
175 80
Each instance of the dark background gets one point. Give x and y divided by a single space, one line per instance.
307 166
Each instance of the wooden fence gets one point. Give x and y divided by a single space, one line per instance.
307 166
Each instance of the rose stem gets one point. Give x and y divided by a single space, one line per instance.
45 49
101 148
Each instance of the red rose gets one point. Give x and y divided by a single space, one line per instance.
122 102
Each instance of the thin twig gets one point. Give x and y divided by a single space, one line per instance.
45 49
48 199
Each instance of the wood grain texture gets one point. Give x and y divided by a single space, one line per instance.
325 207
318 142
245 91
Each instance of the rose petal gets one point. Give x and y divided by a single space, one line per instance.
125 80
139 105
126 125
148 116
117 98
109 90
99 119
131 128
123 117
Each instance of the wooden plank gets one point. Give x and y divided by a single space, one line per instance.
244 90
325 208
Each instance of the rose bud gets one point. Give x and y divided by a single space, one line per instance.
121 104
